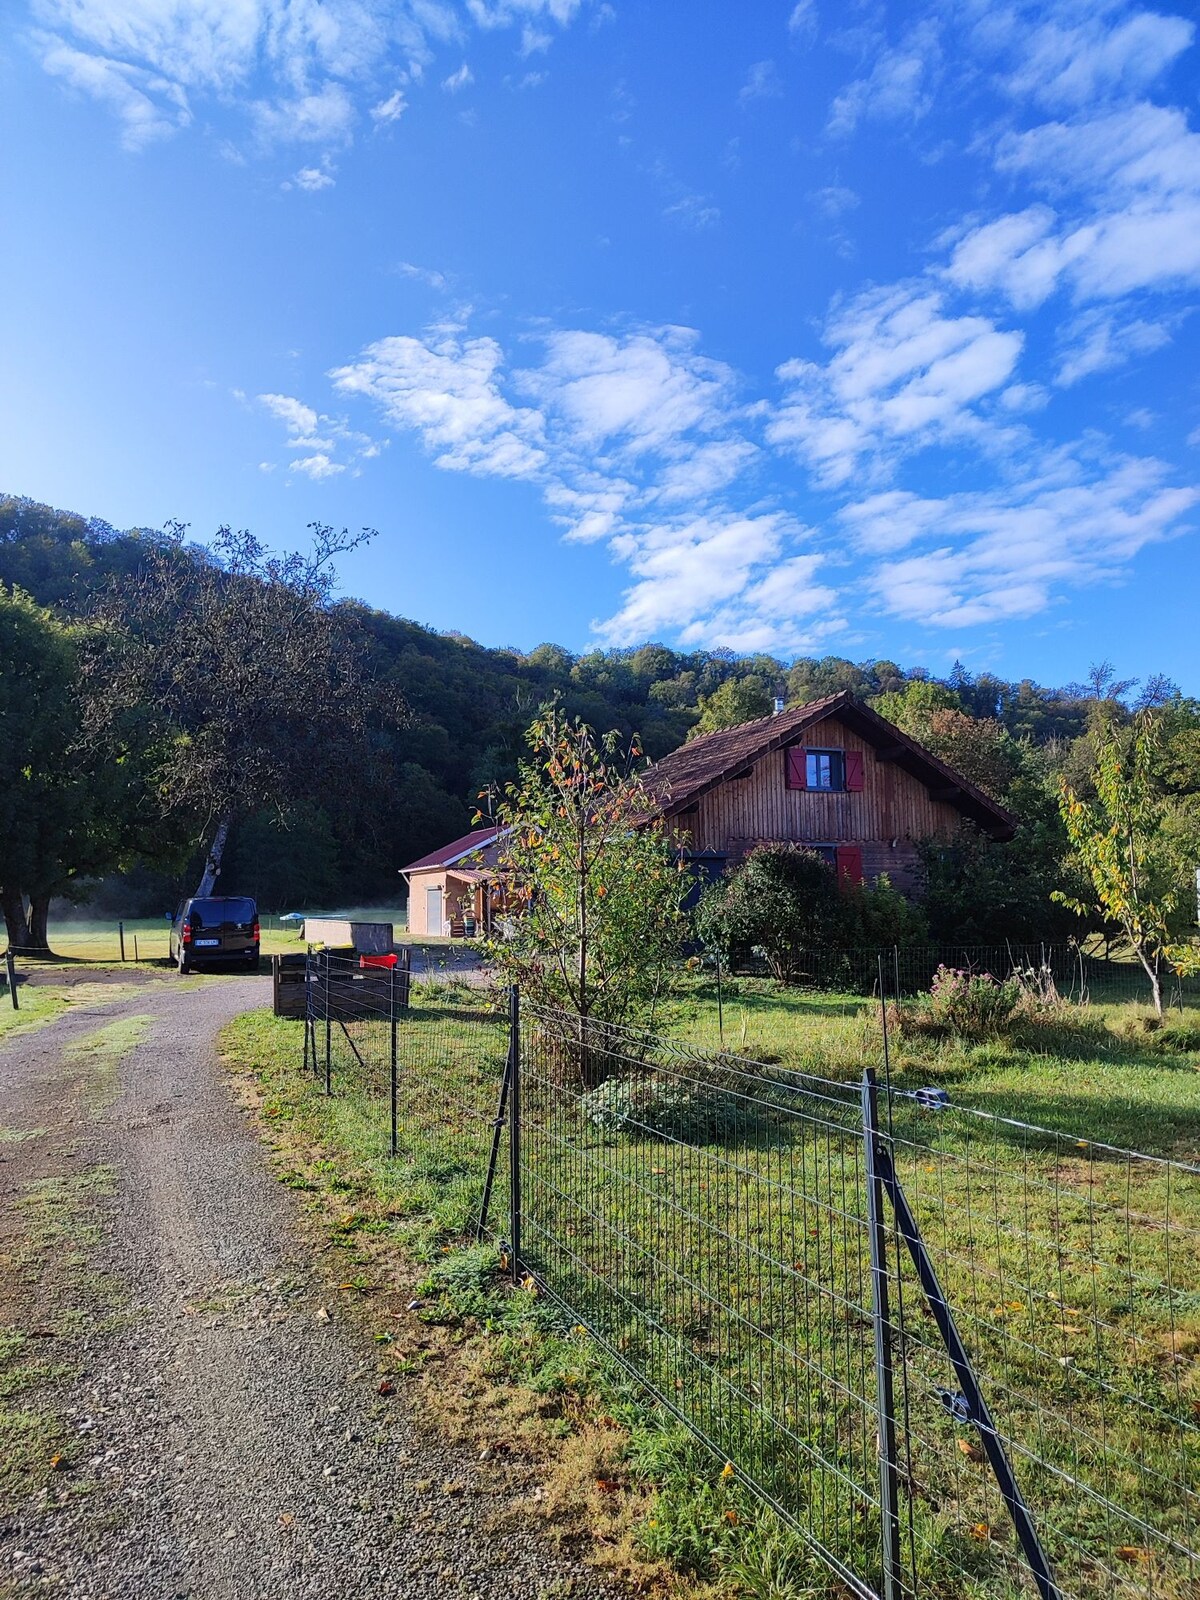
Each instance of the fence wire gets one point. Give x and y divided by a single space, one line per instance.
1077 976
707 1218
435 1100
1073 1271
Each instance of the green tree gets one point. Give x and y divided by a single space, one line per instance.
912 707
244 655
783 900
595 875
737 700
80 789
1121 844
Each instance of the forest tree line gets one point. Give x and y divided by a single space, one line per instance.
152 689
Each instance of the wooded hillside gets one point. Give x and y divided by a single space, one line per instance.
444 716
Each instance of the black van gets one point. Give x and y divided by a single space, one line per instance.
217 928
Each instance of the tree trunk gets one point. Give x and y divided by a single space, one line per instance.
39 917
16 920
212 867
1151 969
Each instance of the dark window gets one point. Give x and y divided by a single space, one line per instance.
825 769
215 913
827 853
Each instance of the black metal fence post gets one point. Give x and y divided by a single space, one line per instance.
121 937
394 1084
10 962
514 1130
328 1040
885 1401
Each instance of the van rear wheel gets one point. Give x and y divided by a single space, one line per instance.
184 969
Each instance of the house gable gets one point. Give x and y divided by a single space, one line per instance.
741 787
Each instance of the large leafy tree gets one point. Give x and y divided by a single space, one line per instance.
244 655
1123 845
81 773
737 700
594 876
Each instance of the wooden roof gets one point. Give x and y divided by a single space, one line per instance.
679 780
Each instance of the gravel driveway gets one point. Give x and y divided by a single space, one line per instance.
229 1431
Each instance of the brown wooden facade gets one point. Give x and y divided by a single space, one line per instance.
886 818
730 791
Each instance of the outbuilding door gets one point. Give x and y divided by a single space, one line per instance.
433 911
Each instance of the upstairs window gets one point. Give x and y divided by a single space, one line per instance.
827 771
824 769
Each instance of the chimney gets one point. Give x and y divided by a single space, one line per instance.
779 705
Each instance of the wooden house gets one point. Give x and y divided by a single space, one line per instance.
454 890
832 775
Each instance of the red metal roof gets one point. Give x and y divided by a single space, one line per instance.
456 848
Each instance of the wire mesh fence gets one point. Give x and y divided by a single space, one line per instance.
957 1351
425 1062
1077 975
1072 1269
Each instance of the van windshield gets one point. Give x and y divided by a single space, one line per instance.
212 913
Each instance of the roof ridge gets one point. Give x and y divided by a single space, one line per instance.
754 722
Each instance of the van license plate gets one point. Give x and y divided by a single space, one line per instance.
208 943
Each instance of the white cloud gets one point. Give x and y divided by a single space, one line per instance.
1132 181
534 41
1099 339
448 391
689 573
302 70
503 13
762 83
1064 65
317 466
391 109
898 88
461 79
835 199
802 22
1008 553
695 211
426 275
326 116
321 436
312 180
147 106
904 375
644 391
299 420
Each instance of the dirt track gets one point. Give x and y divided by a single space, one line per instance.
224 1435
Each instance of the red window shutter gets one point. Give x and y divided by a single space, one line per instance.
849 864
797 767
854 771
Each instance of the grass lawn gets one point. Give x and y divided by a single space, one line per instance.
724 1257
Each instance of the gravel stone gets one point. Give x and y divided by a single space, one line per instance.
231 1441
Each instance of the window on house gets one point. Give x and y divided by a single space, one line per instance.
824 769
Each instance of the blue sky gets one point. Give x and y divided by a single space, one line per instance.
801 327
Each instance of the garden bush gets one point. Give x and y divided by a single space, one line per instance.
973 1005
666 1107
786 901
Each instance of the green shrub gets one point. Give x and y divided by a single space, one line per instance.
786 901
973 1005
1176 1038
666 1107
